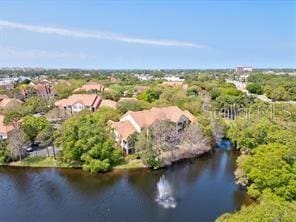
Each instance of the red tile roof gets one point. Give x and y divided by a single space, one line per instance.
5 128
90 87
124 128
147 117
85 99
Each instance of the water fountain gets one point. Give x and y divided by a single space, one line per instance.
165 196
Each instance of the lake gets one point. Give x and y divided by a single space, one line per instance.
203 189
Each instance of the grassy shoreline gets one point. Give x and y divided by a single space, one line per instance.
50 162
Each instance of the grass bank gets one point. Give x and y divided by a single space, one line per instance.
130 164
51 162
39 162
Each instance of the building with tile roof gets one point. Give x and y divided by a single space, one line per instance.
133 122
5 130
77 102
91 87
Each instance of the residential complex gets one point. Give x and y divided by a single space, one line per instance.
133 122
77 102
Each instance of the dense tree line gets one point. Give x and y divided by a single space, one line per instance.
267 164
86 140
276 87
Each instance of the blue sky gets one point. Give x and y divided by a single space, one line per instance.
147 34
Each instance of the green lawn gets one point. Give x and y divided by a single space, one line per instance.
131 164
50 162
39 162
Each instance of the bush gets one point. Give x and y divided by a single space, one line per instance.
255 88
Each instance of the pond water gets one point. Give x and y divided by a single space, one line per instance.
201 190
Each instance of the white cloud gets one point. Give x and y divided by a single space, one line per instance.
96 35
11 52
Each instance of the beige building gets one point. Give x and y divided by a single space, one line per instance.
9 103
5 130
77 102
91 87
133 122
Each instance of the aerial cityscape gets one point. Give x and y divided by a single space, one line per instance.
147 111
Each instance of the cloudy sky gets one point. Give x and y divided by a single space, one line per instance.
147 34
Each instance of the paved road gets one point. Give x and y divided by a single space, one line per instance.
43 152
242 87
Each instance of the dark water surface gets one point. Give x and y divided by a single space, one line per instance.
203 188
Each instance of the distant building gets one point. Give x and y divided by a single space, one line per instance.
8 103
5 130
108 103
179 84
77 102
144 77
42 88
242 69
91 87
129 99
173 78
133 122
45 90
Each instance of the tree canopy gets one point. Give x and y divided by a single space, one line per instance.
87 140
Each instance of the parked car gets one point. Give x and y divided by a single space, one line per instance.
32 147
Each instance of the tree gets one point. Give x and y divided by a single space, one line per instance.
16 141
33 125
268 168
4 154
255 88
38 104
164 137
246 134
132 105
88 141
45 138
270 209
149 95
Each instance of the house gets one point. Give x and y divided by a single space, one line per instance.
140 89
91 87
128 99
8 103
108 103
5 130
45 89
242 69
179 84
133 122
77 102
42 88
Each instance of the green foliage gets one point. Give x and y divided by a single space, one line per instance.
65 89
247 134
255 88
268 168
4 154
33 125
270 209
132 105
149 95
45 137
34 104
145 149
193 91
111 94
276 87
87 140
270 157
225 94
172 96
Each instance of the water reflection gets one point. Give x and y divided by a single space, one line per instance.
202 189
